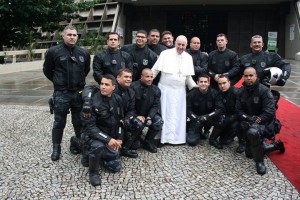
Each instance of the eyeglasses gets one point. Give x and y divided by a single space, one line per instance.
139 36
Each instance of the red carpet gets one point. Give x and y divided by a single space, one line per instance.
289 162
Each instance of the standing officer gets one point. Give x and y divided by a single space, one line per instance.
227 128
223 61
102 133
202 108
142 56
261 60
147 106
200 59
256 109
153 41
66 65
111 60
167 39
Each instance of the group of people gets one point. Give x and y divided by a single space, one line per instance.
142 99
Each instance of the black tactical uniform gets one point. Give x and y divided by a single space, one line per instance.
200 61
147 104
132 125
67 68
262 60
226 63
110 62
257 101
227 126
157 48
141 58
202 109
98 130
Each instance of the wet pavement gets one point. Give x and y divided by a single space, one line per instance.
175 172
33 88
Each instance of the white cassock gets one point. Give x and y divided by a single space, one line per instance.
176 72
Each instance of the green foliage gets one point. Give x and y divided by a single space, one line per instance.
94 41
20 19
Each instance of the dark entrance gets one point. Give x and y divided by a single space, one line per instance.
205 25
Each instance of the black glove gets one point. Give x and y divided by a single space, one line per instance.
87 105
248 118
203 118
245 125
281 81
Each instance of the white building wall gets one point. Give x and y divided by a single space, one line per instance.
292 46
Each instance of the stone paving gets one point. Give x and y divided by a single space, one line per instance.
175 172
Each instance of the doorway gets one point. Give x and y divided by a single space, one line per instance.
203 24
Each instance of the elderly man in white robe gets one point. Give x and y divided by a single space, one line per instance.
176 67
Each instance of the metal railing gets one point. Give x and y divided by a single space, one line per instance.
23 55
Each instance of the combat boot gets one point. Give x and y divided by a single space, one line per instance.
279 146
149 146
261 168
126 147
213 137
273 147
94 175
85 159
56 140
56 152
215 144
242 146
129 153
73 147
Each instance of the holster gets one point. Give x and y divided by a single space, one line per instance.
51 105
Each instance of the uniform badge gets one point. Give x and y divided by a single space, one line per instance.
247 65
123 64
256 100
145 62
263 64
81 58
227 63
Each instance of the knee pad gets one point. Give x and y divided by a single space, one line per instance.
136 124
113 165
157 123
254 135
60 121
109 154
193 139
96 148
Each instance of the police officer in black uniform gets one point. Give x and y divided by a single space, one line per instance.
111 60
260 60
200 59
223 61
167 39
66 65
256 109
142 56
203 107
132 125
102 133
228 126
153 42
147 106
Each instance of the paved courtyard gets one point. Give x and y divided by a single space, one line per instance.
175 172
